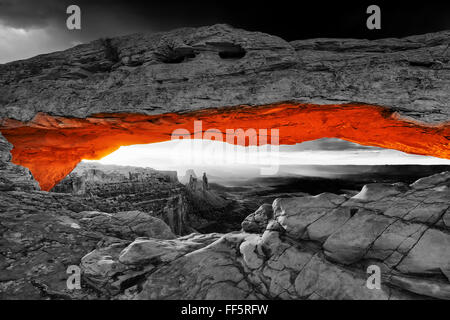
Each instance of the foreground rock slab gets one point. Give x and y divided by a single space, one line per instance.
314 247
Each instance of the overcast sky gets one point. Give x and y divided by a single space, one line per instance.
31 27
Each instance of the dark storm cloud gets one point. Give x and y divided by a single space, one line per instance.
286 18
98 17
29 14
108 17
28 27
34 14
45 20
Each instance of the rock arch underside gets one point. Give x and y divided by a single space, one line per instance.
51 147
86 102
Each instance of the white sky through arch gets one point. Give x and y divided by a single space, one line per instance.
183 154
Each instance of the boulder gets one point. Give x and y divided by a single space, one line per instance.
257 221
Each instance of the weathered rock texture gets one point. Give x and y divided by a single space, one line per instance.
258 220
43 233
314 247
119 188
12 176
197 68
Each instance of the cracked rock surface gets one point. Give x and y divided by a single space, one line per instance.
43 233
314 247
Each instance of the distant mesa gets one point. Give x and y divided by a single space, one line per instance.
88 176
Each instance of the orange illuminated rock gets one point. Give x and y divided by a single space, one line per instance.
52 146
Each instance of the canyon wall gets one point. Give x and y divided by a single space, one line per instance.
119 188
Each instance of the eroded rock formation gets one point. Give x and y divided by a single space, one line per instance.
314 247
44 233
195 68
119 188
12 176
258 220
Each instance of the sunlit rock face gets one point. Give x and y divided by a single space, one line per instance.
60 143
